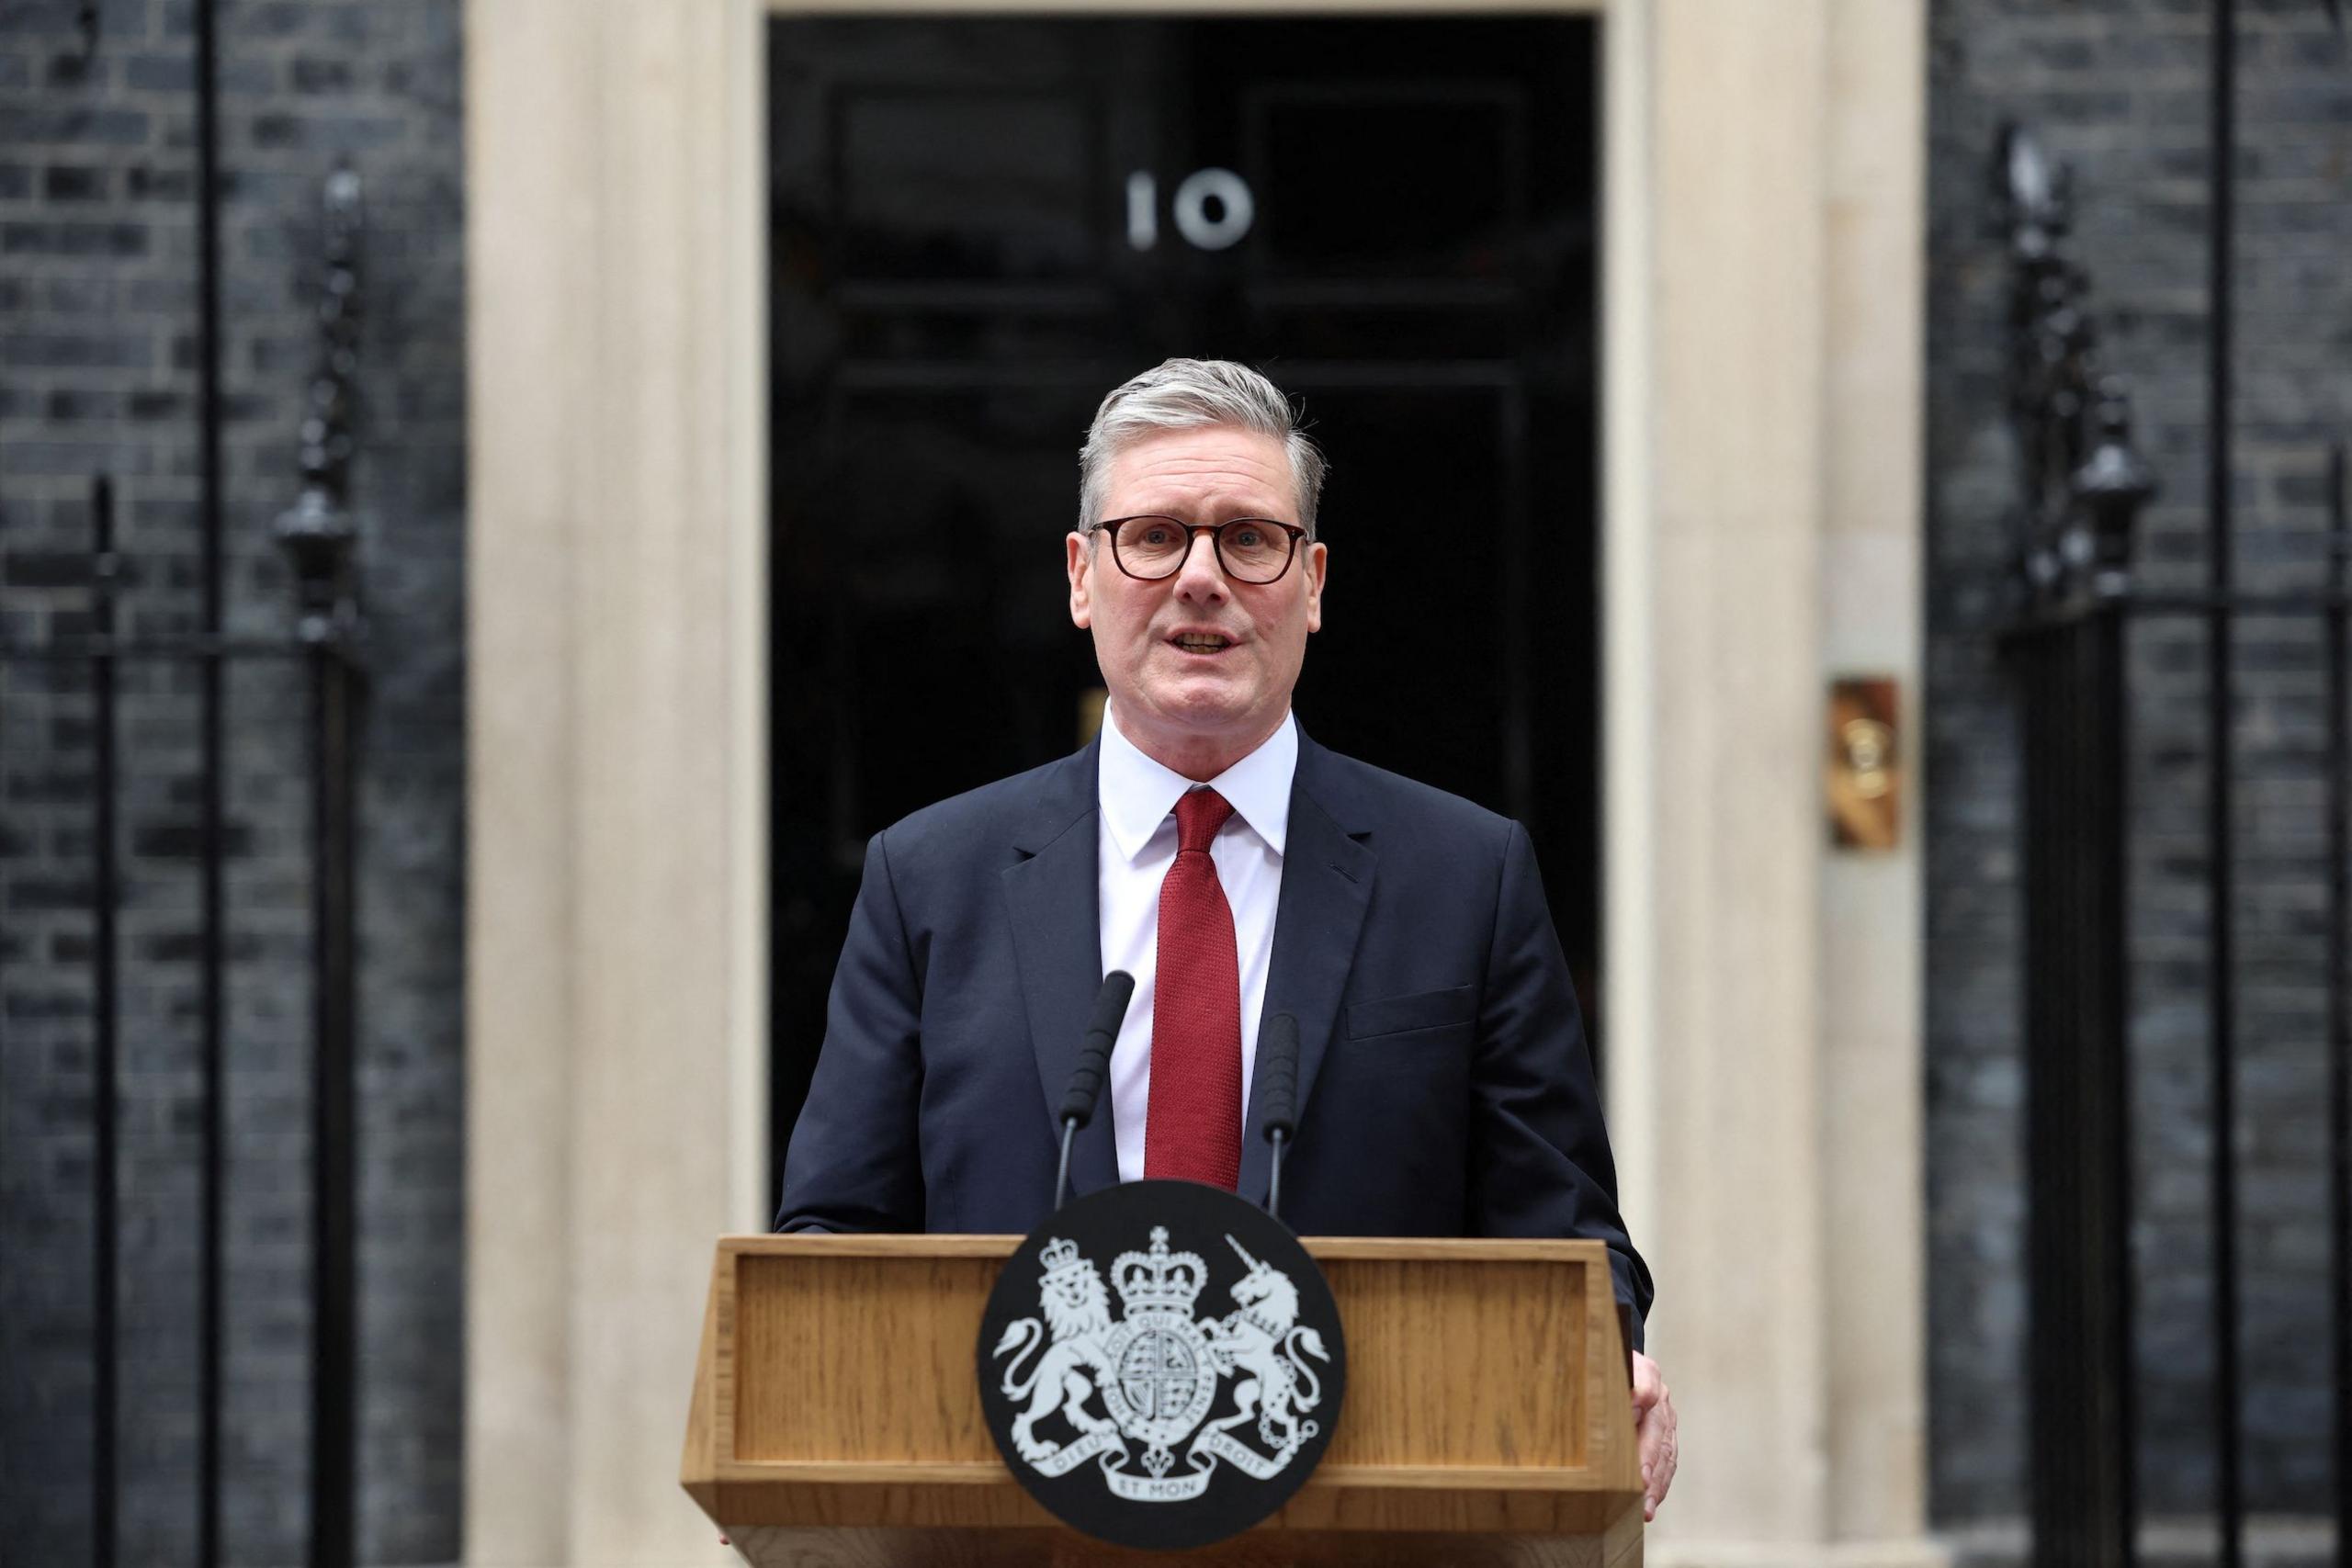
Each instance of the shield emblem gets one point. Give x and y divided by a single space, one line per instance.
1158 1374
1163 1381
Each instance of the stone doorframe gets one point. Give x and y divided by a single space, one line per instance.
1764 233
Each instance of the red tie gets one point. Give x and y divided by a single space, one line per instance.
1193 1121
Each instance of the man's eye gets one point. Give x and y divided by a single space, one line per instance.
1157 537
1247 538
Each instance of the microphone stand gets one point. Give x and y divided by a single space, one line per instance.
1070 1124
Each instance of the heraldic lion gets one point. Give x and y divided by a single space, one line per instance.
1078 1320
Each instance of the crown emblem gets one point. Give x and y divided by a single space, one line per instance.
1059 1256
1159 1281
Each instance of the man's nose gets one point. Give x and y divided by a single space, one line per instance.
1201 575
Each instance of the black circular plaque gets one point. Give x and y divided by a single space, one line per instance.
1161 1364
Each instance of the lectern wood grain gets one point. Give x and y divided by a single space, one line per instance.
1263 1547
1443 1330
835 1417
870 1359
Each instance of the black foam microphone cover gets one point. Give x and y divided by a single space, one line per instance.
1278 1064
1094 1057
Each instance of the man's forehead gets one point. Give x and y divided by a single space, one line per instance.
1216 456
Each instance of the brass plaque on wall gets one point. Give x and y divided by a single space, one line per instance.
1863 769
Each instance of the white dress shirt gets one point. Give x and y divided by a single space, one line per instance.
1136 844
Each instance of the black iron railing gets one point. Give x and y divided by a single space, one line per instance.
326 636
2082 486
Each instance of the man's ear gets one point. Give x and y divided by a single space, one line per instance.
1080 562
1317 564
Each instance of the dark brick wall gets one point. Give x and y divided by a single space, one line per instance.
97 353
2119 88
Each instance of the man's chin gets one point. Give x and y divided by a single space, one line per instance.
1227 727
1201 706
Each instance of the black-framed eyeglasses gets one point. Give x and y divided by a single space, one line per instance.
1250 550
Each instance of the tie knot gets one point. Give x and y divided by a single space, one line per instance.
1199 814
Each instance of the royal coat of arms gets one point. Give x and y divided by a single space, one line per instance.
1158 1397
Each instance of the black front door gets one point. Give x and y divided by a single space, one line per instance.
980 225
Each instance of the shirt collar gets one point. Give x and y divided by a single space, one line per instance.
1136 793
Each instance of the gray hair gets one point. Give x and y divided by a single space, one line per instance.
1186 394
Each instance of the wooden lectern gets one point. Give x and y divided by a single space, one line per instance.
836 1418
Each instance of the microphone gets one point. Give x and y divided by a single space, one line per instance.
1093 1066
1278 1066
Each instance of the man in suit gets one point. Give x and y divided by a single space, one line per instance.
1238 870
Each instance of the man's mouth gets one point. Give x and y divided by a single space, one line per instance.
1201 642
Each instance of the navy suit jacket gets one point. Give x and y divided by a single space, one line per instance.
1445 1087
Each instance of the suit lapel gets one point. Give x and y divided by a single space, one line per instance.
1053 896
1327 884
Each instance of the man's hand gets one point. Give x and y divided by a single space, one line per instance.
1652 1433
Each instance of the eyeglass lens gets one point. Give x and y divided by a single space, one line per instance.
1253 550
